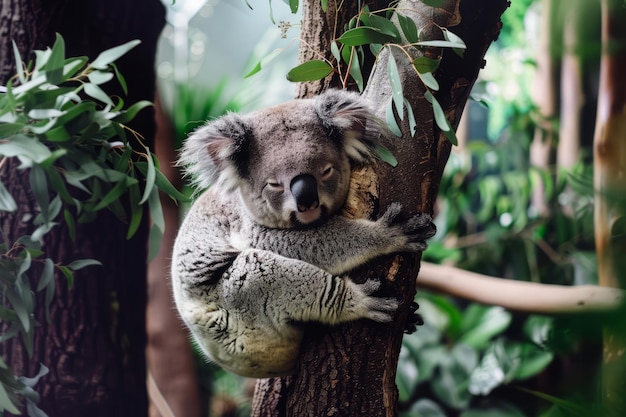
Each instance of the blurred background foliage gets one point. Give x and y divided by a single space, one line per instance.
499 213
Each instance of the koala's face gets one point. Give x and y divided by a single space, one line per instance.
296 174
290 163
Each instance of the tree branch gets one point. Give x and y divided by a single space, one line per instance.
529 297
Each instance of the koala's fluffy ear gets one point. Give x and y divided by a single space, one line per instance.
211 153
348 119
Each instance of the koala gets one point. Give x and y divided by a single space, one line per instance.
264 249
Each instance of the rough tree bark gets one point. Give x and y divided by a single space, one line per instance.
94 344
350 370
610 187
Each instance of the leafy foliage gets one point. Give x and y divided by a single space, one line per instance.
61 125
370 32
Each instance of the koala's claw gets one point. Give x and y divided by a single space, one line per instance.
416 228
380 309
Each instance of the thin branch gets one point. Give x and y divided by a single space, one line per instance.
522 296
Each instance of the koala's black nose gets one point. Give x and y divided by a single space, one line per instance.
304 190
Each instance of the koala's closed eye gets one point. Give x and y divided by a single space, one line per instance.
263 247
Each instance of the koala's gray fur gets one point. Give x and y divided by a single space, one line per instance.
262 250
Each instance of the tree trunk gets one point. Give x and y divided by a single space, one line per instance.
350 370
94 344
610 187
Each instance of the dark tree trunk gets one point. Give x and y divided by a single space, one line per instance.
350 370
94 344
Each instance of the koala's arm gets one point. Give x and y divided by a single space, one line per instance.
286 290
342 244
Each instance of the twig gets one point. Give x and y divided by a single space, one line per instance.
522 296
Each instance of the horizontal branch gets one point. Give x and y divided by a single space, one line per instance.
522 296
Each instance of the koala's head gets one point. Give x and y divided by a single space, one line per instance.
291 163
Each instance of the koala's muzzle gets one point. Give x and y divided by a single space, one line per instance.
304 191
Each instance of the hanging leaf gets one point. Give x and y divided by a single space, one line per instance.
293 4
263 62
7 203
391 119
396 86
56 62
429 80
386 156
19 65
424 64
96 92
107 57
441 44
385 26
408 28
310 71
364 35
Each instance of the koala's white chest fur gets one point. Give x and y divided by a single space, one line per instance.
247 267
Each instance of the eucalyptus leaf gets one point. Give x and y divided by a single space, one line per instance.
96 92
408 28
386 156
385 26
364 35
7 202
107 57
56 61
390 118
19 65
263 62
100 77
83 263
424 64
441 44
309 71
8 402
396 86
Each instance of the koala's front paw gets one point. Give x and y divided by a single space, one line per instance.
364 305
415 229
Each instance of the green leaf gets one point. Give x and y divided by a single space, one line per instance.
72 65
480 324
130 113
408 28
441 44
386 156
136 211
158 223
412 121
460 48
310 71
56 62
334 49
263 62
391 119
7 402
96 92
19 65
440 117
69 275
293 5
396 86
364 35
120 78
107 57
9 129
39 188
429 80
385 26
433 3
83 263
7 203
100 77
355 69
150 177
424 64
324 5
